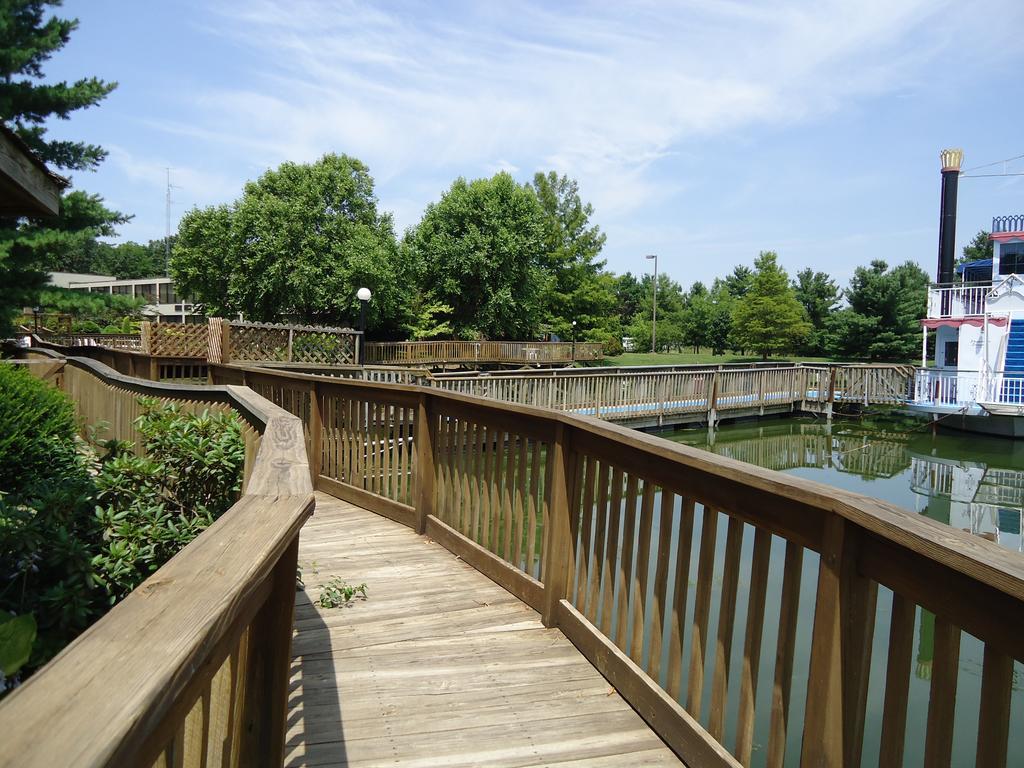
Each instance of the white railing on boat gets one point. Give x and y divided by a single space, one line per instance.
956 302
967 388
952 387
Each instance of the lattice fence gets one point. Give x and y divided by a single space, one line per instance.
175 339
291 343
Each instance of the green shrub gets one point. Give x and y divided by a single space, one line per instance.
37 432
47 530
81 524
153 505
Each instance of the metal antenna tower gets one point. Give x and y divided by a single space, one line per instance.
167 238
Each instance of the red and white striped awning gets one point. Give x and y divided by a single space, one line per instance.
977 322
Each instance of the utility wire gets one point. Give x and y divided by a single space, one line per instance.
989 165
987 175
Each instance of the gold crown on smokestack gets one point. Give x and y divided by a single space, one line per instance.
951 159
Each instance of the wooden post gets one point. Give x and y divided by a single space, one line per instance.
831 392
145 332
269 663
556 533
291 341
225 341
425 468
315 432
713 400
823 721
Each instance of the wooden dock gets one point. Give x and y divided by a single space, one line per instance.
440 666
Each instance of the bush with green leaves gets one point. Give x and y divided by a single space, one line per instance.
153 505
82 524
48 533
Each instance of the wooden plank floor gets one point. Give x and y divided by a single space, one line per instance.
440 666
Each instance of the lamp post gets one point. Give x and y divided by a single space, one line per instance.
574 341
36 311
364 295
654 315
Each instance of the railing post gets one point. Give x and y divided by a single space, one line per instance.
556 534
315 432
425 468
832 392
269 663
713 400
823 721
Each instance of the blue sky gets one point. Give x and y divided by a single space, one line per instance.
703 131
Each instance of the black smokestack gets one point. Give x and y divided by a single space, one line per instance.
951 159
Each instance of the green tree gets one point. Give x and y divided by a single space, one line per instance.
479 250
768 318
629 297
575 289
298 244
127 261
819 295
739 281
981 247
28 247
882 321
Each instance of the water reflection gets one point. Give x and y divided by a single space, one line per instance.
972 483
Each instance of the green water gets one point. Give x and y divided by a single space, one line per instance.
971 482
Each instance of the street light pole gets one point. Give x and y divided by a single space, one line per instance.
364 295
654 314
574 341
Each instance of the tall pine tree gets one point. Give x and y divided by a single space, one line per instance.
29 247
768 318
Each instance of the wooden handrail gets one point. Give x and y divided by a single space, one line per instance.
495 475
204 639
440 352
601 529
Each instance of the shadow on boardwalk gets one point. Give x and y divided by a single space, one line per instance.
314 711
440 666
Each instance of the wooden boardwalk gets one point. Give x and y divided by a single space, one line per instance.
440 666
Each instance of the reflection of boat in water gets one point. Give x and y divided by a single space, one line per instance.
973 496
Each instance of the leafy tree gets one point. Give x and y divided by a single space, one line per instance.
981 247
739 282
768 318
629 297
298 244
479 250
575 289
203 259
128 261
819 295
29 247
882 321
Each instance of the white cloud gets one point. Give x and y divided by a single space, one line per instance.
607 93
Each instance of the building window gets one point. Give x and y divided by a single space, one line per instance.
1011 259
167 295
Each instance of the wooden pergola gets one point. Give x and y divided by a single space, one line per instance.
27 186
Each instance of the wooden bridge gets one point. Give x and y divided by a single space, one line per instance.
544 588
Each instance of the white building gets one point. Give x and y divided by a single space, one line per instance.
162 303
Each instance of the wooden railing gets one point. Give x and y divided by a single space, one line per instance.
512 352
780 636
192 667
135 363
113 340
621 394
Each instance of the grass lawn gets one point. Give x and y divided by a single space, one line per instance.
692 358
